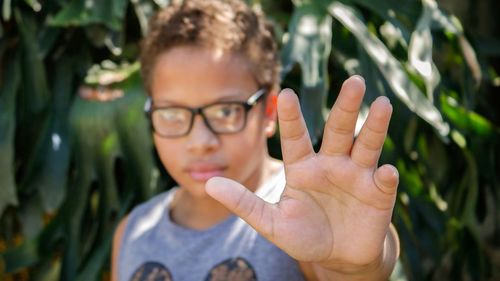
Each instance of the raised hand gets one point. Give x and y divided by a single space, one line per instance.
337 205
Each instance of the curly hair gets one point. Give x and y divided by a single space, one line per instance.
227 25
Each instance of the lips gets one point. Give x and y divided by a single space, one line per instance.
204 171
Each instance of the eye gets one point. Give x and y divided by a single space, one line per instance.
227 111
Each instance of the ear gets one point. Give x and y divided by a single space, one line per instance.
271 112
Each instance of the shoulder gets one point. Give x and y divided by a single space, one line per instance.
153 208
117 239
146 215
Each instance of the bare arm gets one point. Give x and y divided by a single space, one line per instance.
117 241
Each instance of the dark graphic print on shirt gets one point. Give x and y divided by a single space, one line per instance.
151 271
235 269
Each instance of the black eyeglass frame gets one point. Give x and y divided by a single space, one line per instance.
149 109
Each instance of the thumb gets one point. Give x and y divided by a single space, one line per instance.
244 203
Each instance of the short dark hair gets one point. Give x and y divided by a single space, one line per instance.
229 25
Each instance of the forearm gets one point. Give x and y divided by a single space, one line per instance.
379 270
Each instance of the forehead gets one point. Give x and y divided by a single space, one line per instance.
193 76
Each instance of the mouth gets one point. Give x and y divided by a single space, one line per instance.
203 172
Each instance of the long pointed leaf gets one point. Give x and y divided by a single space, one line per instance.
450 24
54 155
6 10
135 138
420 49
310 45
8 91
393 11
35 87
391 68
143 10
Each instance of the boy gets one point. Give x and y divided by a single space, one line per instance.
211 70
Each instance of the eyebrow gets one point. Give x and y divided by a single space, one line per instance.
233 96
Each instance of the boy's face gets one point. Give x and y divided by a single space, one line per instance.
194 77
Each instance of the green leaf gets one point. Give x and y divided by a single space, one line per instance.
99 257
450 24
47 39
34 86
471 185
31 216
9 84
143 10
6 10
50 270
389 10
72 14
391 68
310 45
84 12
23 256
115 41
46 170
34 4
468 121
72 225
135 138
438 161
393 11
94 125
54 154
441 20
420 50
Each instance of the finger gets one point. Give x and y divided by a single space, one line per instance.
339 129
386 179
295 140
244 203
368 145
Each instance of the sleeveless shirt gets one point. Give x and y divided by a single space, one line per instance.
155 248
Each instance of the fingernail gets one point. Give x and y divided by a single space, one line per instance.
359 77
395 172
287 90
384 99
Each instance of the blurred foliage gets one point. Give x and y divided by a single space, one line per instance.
76 151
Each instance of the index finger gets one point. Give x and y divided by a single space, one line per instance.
295 141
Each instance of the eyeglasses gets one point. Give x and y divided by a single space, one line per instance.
226 117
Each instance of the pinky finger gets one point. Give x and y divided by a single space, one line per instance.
386 179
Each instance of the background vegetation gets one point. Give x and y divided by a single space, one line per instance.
76 152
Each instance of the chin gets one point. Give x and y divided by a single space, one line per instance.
196 190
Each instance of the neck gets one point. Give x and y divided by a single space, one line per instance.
195 212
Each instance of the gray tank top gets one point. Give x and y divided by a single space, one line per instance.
155 248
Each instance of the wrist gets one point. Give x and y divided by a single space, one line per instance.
352 271
379 269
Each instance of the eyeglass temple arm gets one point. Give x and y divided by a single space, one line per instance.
255 97
147 106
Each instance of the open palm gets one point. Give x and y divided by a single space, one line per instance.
337 204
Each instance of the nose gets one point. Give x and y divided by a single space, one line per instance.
201 139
